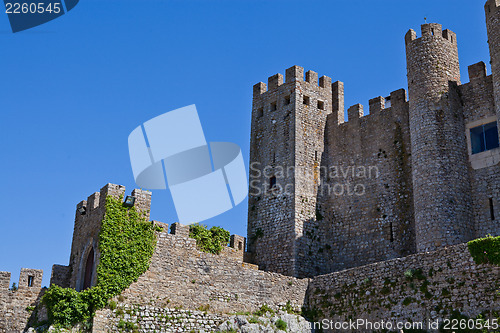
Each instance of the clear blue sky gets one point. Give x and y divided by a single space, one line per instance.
73 89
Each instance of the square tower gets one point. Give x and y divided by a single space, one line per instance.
287 142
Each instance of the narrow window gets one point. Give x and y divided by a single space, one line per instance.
240 246
287 100
321 105
451 38
260 112
274 157
484 137
30 280
489 9
492 210
272 182
432 31
391 231
315 155
307 100
273 106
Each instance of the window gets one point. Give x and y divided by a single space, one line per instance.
30 280
307 100
484 137
492 210
272 182
273 106
260 112
316 155
287 100
321 105
240 246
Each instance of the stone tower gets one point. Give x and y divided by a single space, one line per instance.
288 121
492 9
441 184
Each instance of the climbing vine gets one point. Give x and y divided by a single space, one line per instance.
126 244
209 240
485 250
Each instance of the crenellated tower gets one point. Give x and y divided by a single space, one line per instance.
492 9
287 141
441 183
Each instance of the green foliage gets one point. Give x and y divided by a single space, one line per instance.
126 245
485 250
112 305
409 274
263 310
126 325
209 240
289 308
13 287
281 324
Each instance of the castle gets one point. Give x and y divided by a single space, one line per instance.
417 174
342 214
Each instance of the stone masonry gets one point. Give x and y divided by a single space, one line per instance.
399 181
360 218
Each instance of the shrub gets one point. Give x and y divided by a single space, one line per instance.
112 305
209 240
281 325
263 310
485 250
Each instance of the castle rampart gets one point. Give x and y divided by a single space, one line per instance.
17 305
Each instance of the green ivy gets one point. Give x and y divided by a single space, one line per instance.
209 240
485 250
126 244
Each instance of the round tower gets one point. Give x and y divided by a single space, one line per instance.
441 186
492 9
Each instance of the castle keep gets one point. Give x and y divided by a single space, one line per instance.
416 174
358 218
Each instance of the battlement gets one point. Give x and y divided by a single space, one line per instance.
491 5
355 112
292 74
377 105
29 278
4 280
431 30
477 71
236 242
96 201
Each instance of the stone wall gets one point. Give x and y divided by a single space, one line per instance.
182 276
16 306
479 108
417 288
365 203
492 10
147 318
184 283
